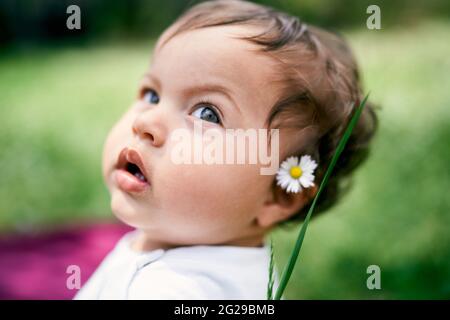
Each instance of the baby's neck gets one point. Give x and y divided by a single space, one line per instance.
142 243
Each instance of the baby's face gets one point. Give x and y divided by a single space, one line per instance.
192 203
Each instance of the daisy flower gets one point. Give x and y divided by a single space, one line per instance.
294 174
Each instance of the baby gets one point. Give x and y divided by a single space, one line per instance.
201 226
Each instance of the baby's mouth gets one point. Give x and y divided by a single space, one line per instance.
131 174
135 171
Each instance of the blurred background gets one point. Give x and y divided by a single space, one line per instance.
61 90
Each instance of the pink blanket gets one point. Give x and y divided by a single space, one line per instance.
37 266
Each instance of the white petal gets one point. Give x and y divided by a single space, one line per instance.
285 165
308 176
305 160
307 167
284 181
282 176
292 161
282 171
305 182
294 186
307 172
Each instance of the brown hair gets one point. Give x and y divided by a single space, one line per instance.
320 80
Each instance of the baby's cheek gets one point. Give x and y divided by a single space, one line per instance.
202 192
118 136
110 148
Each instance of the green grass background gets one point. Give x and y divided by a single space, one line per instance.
58 103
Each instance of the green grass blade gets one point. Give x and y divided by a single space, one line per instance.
298 244
271 273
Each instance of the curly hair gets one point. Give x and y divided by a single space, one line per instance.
320 81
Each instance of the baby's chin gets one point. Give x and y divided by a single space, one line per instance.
127 210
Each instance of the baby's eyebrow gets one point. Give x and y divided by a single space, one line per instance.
208 87
211 87
153 79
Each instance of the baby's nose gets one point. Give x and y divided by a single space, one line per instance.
151 128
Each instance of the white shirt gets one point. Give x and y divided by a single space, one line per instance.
192 272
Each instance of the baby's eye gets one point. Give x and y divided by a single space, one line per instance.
150 96
206 113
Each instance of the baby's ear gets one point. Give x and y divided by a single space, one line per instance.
281 205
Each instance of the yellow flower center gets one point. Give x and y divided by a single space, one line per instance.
295 172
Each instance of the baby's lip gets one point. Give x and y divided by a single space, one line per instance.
129 155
